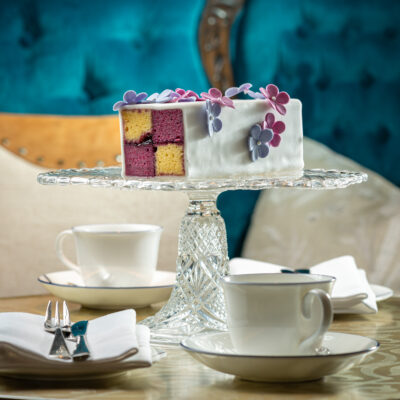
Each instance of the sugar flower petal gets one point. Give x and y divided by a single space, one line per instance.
283 98
152 97
186 99
214 92
244 87
217 124
255 131
215 109
232 91
140 97
130 97
270 119
254 154
255 95
251 143
280 108
263 150
275 141
118 105
279 127
272 90
266 135
227 102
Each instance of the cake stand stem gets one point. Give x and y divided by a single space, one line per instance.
197 303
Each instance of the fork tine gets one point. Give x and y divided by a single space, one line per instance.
47 320
57 316
66 318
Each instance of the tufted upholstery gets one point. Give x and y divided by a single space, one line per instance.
340 58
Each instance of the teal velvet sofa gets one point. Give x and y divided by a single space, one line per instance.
340 58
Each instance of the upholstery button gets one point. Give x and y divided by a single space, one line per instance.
383 134
390 32
366 80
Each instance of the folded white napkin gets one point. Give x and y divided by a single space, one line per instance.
351 292
115 341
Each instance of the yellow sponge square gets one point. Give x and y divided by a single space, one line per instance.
136 124
169 159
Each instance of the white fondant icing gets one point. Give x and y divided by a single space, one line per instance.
226 153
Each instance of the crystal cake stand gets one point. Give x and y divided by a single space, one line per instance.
197 303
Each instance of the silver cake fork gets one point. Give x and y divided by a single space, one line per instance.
59 347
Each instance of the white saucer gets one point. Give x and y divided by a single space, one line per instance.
381 292
215 350
68 285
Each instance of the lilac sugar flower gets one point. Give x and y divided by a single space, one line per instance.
130 97
275 98
277 127
233 91
258 142
213 110
165 96
255 95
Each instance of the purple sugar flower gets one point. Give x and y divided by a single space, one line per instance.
258 142
130 97
215 96
277 128
165 96
275 98
233 91
255 95
213 110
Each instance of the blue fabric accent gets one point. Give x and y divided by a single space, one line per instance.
341 58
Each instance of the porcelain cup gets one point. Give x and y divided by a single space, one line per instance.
278 314
113 254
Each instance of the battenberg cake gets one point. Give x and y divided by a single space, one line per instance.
179 133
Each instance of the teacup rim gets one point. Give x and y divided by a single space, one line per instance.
323 279
107 228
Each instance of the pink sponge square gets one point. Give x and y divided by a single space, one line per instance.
139 160
167 126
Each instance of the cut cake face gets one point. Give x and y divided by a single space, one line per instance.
153 142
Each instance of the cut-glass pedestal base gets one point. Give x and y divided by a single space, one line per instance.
196 303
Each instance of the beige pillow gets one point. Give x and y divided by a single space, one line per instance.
300 228
31 215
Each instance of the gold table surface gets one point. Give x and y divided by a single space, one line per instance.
178 376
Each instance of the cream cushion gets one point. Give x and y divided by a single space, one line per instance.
32 215
300 228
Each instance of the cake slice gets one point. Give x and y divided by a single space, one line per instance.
213 137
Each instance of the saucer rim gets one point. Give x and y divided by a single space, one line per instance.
372 349
44 282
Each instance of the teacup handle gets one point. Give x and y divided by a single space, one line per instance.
327 313
60 253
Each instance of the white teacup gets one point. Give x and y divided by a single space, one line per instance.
278 314
113 254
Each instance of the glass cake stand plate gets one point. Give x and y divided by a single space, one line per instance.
197 303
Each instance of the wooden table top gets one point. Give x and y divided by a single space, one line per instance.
178 376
